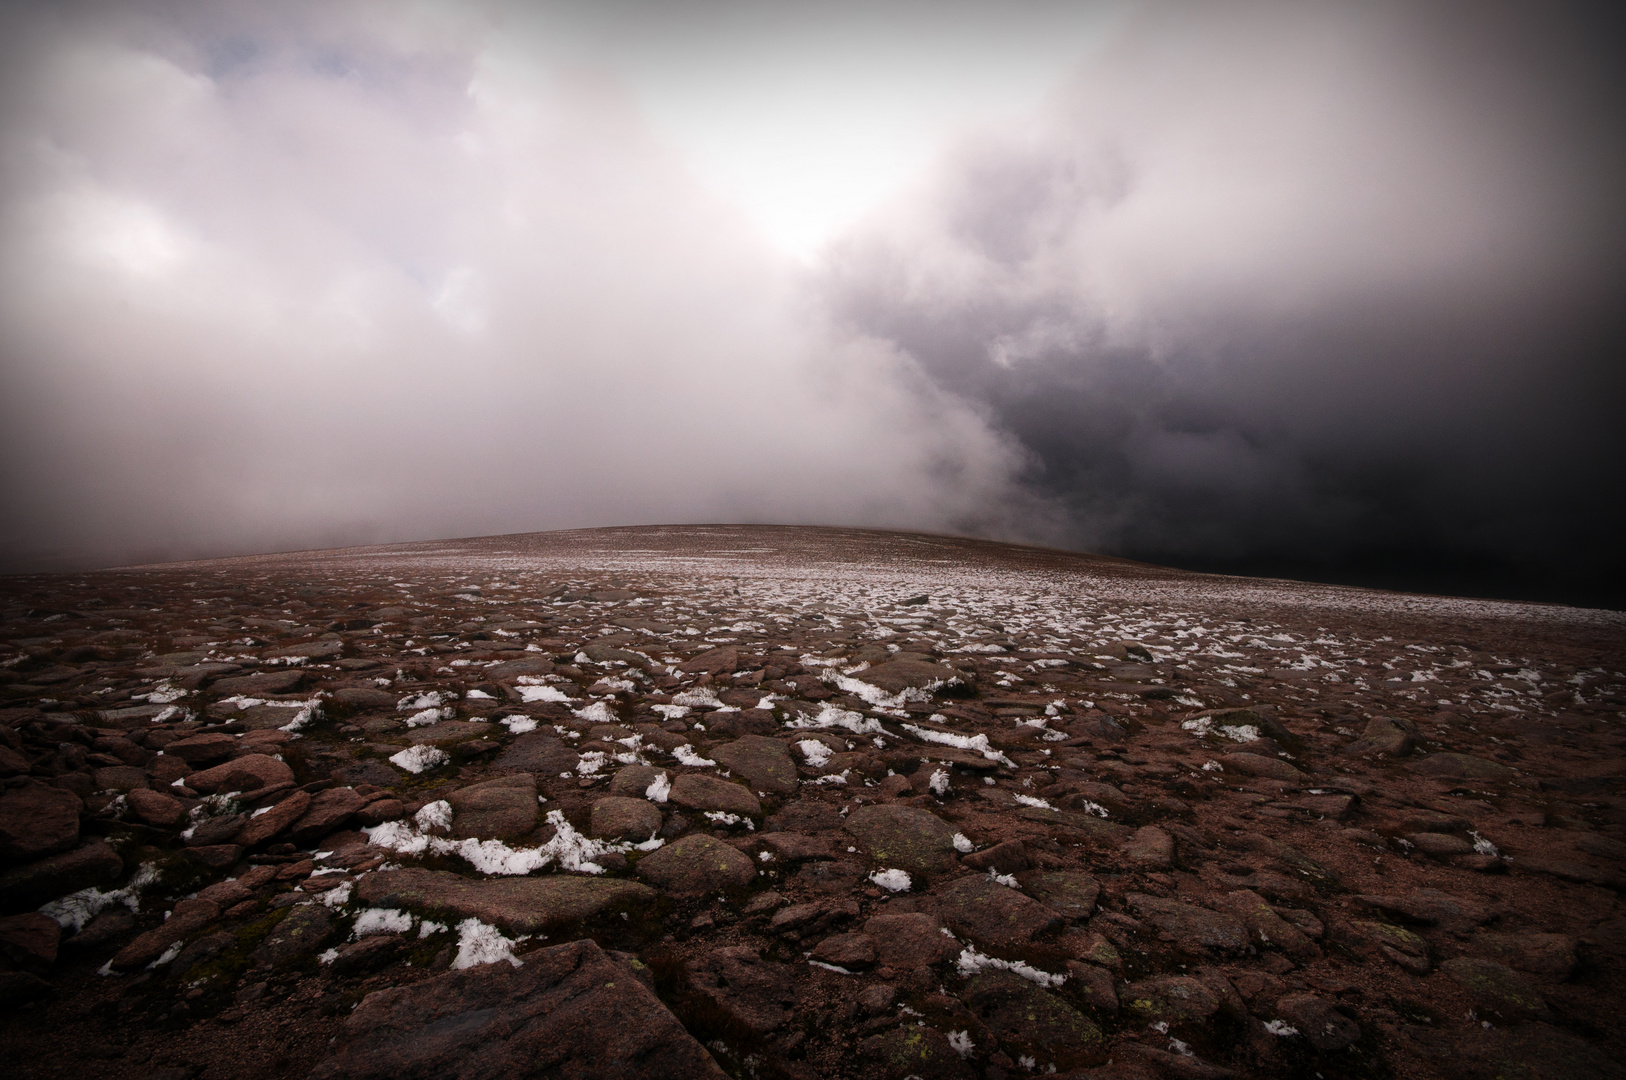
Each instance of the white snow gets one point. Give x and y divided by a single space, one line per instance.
698 697
672 712
428 716
1007 880
659 788
568 848
1029 800
979 743
723 817
76 909
961 1042
1281 1028
1204 725
519 725
481 943
414 702
688 755
381 921
542 692
830 716
338 896
815 752
971 962
892 880
939 783
962 844
598 713
420 758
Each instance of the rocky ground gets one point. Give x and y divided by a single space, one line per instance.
800 803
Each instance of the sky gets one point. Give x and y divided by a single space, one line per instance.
1325 290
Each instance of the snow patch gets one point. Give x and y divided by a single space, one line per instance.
892 880
971 962
420 758
481 943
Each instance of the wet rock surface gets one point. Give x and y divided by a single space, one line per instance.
796 803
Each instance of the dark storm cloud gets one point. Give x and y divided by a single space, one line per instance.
1326 290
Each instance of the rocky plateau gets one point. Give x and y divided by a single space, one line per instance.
767 802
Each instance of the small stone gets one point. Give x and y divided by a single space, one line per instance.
621 818
329 811
202 749
1440 845
368 954
696 792
155 808
854 952
1272 768
634 780
764 763
1093 986
1010 857
1150 848
263 827
1027 1019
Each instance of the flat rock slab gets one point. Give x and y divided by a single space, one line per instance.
1271 768
911 940
262 767
1460 767
1096 829
538 752
995 916
695 792
566 1011
266 682
755 993
36 821
1070 894
277 817
618 817
1192 927
1029 1022
446 731
634 780
500 809
765 763
695 865
27 887
896 676
905 838
526 905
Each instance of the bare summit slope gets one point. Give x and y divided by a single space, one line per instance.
798 802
